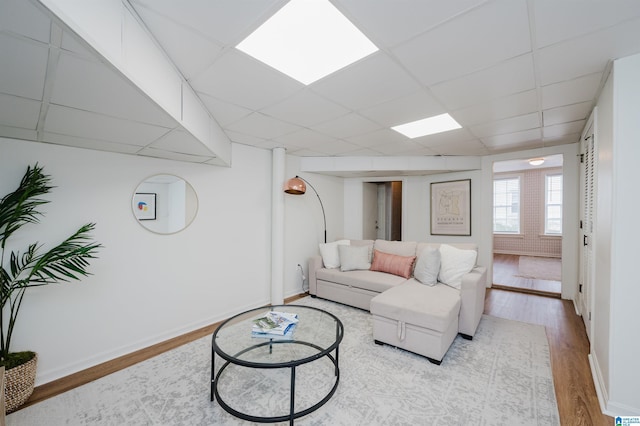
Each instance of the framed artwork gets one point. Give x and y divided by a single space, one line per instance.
451 207
144 205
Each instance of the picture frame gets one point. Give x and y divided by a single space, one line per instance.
451 207
144 205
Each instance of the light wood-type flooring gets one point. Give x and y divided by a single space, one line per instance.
575 392
505 271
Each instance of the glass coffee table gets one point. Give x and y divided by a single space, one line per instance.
258 374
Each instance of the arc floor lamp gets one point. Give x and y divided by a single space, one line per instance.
298 186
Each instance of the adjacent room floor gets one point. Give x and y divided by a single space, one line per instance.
526 273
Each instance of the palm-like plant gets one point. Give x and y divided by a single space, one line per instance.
66 261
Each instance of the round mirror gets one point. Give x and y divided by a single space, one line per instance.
164 204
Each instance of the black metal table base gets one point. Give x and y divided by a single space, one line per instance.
215 377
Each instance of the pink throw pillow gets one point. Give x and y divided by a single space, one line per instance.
392 263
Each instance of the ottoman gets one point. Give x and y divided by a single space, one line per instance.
418 318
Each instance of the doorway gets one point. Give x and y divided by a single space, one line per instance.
527 225
382 211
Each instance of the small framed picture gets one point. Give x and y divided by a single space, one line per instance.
451 207
144 205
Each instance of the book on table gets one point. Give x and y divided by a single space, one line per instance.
274 324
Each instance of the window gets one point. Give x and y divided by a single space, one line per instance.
553 205
506 205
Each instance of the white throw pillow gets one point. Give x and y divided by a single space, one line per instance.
428 266
330 255
454 263
354 257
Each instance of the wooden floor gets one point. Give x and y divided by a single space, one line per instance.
577 400
505 271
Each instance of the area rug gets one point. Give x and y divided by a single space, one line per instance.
501 377
540 268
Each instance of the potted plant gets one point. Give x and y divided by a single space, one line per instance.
33 267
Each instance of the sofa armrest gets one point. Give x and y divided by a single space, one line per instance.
472 293
315 263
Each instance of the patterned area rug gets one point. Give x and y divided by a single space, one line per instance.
540 268
501 377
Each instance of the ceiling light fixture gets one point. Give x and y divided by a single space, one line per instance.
536 161
307 40
428 126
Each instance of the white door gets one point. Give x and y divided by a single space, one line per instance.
587 198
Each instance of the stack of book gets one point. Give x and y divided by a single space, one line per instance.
275 324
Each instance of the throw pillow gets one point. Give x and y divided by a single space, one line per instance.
454 263
353 257
330 255
428 266
392 263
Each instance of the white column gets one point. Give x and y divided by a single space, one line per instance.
277 226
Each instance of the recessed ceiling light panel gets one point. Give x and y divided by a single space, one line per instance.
307 40
428 126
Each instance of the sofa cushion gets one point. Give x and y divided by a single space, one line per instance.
368 243
400 248
368 280
354 257
392 264
424 306
455 263
428 266
329 253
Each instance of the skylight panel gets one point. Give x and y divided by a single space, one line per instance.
307 40
428 126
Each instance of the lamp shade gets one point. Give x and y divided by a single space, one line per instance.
295 186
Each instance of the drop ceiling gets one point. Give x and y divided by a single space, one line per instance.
516 74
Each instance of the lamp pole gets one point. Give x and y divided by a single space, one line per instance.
324 216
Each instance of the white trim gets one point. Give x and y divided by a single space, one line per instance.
599 384
526 253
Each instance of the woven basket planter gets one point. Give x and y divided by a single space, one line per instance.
19 383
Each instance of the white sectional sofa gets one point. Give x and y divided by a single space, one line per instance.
407 313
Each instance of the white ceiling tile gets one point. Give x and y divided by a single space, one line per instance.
19 112
223 112
368 82
391 22
305 108
507 78
89 143
562 130
93 86
567 113
403 110
337 148
512 138
399 148
471 147
561 140
22 17
71 43
23 67
18 133
190 51
574 91
239 79
362 152
305 138
497 109
347 126
507 125
73 122
179 140
589 54
452 136
468 44
262 126
225 21
377 138
561 20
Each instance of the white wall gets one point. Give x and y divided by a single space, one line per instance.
145 287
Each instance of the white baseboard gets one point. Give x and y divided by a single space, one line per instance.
526 253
